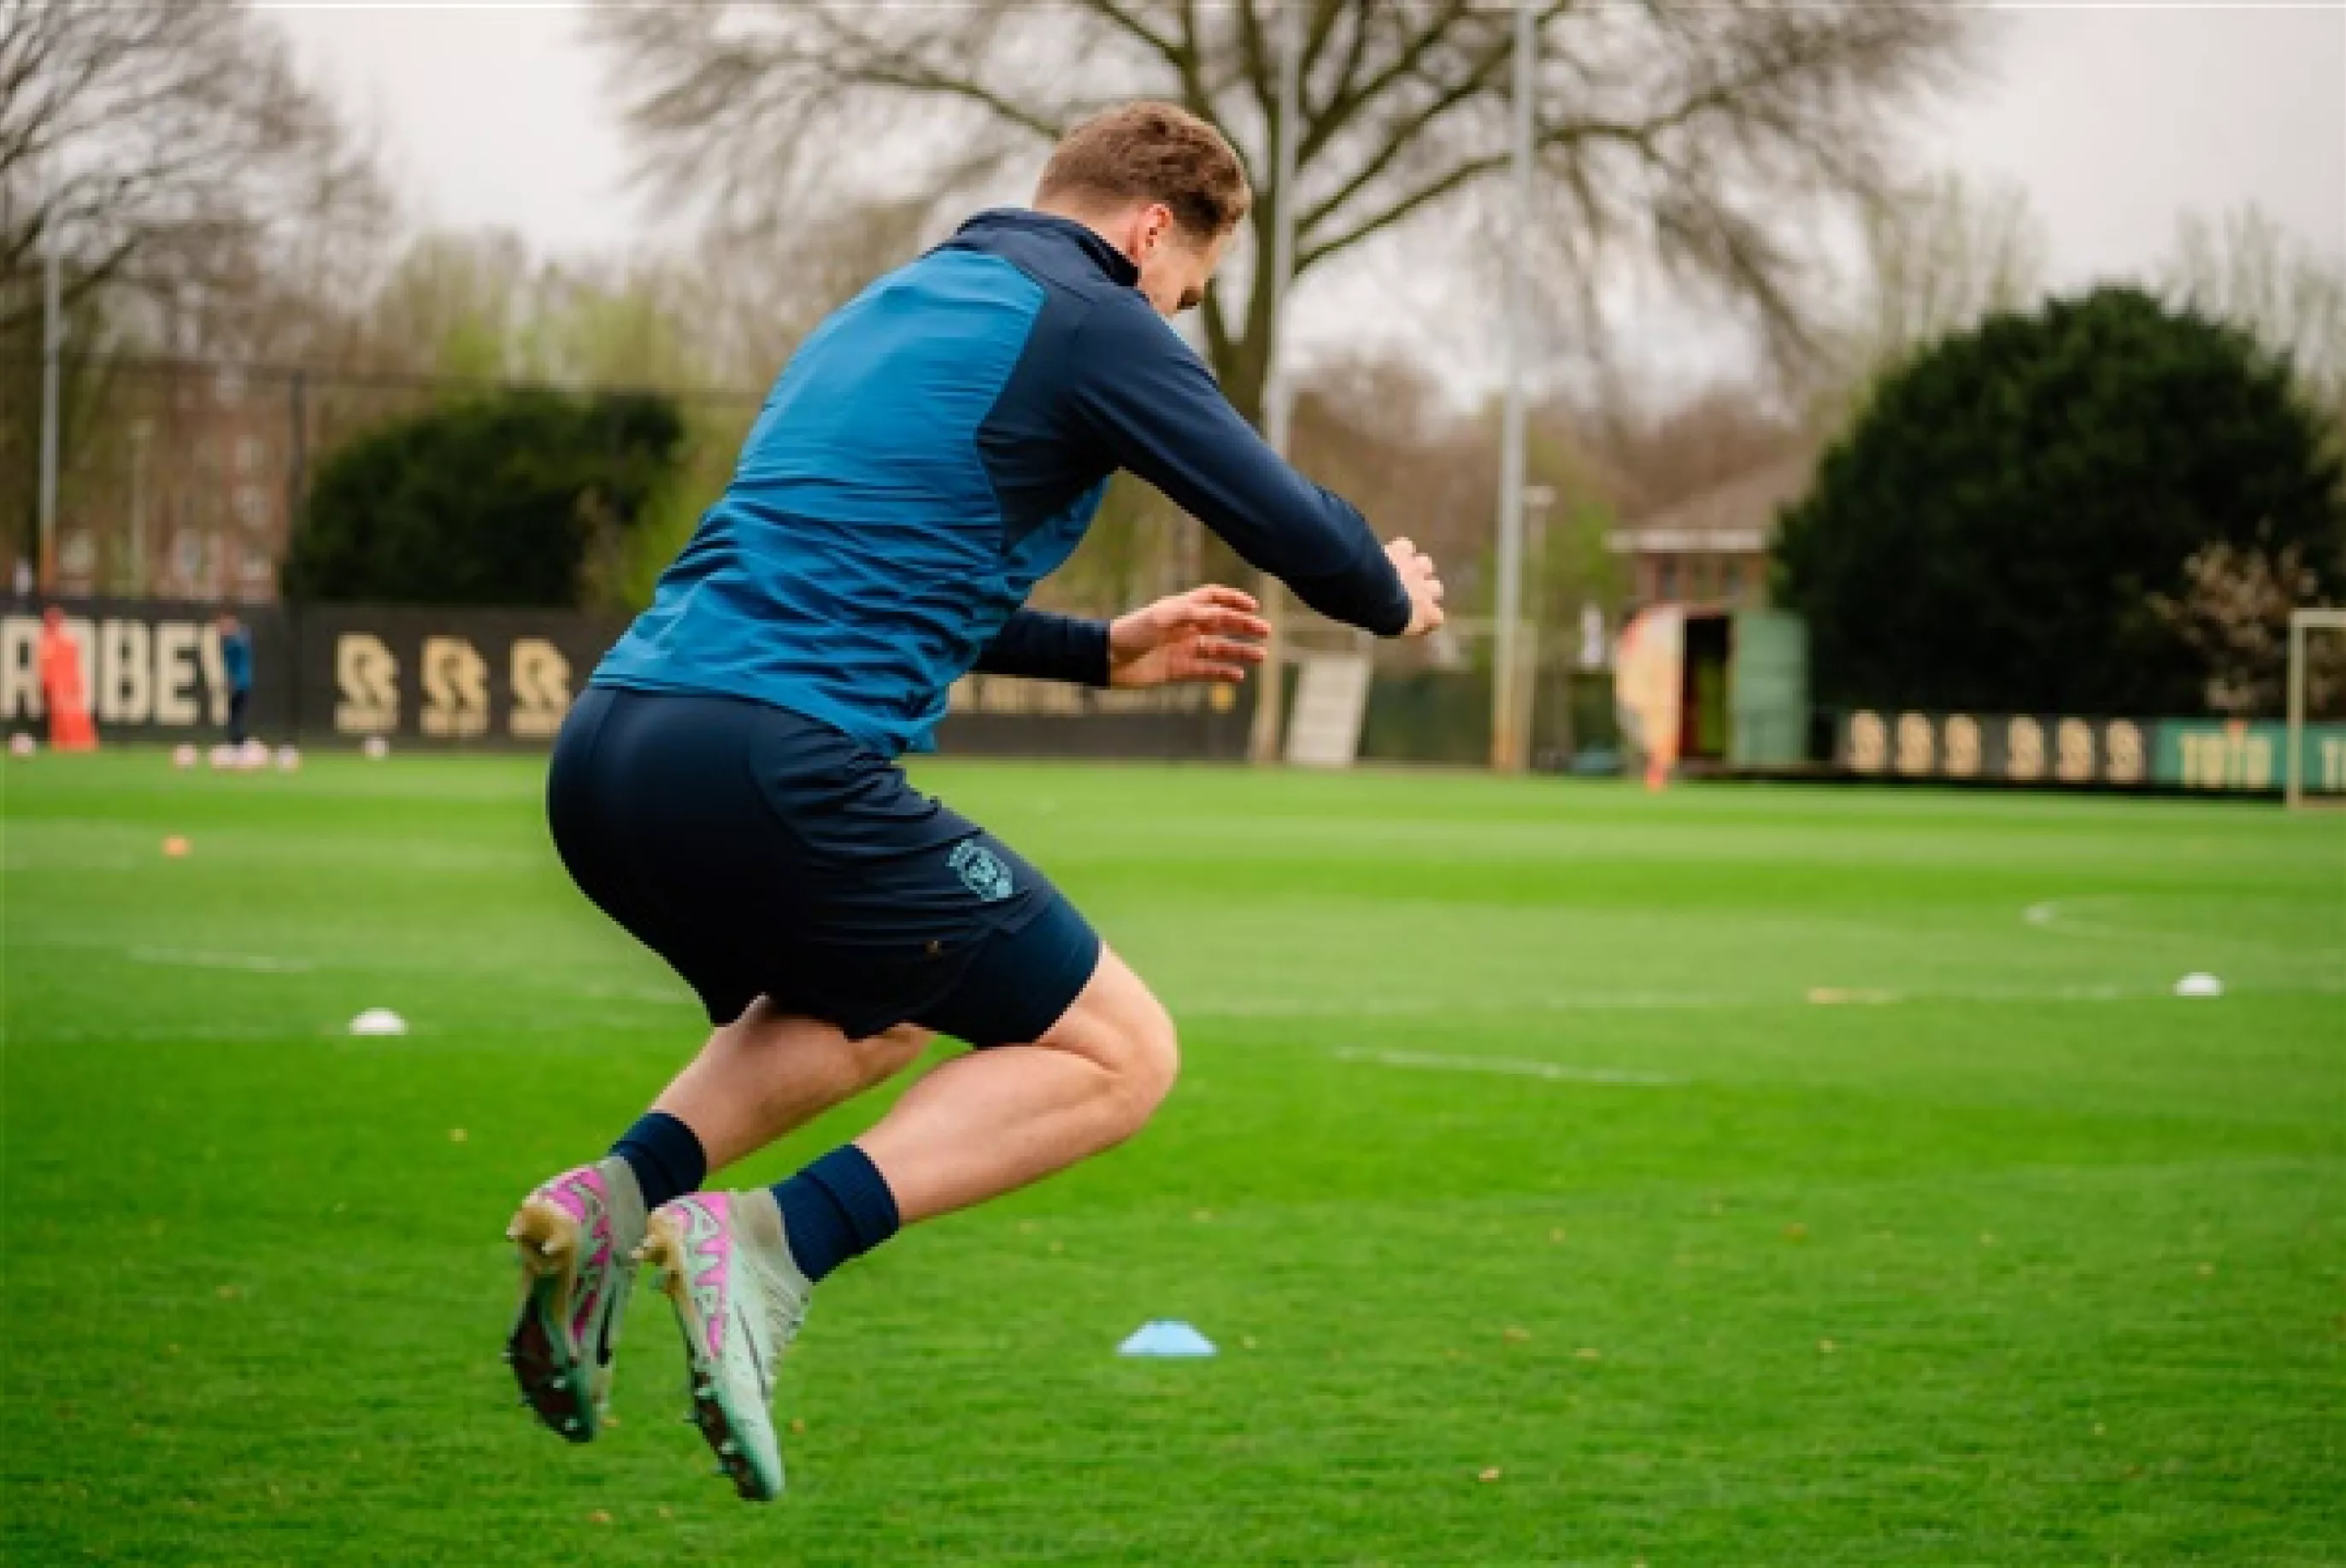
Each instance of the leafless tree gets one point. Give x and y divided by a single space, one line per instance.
480 303
166 144
1699 134
1944 255
1939 255
199 197
753 294
2251 271
1656 454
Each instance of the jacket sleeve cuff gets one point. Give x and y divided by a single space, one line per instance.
1039 645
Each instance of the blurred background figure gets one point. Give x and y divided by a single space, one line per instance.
62 687
236 663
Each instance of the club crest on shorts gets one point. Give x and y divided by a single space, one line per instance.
981 870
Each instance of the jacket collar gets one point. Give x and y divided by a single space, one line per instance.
1111 261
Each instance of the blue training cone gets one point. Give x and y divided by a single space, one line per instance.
1166 1337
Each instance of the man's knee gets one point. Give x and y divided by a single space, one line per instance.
1121 1027
1147 1061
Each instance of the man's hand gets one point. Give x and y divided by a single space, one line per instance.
1189 637
1417 575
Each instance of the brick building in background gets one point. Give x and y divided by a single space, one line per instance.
183 487
1712 548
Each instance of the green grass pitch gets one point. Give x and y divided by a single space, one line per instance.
1738 1177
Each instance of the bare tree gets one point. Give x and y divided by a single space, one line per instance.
1697 133
753 293
1939 257
1945 256
479 303
2249 271
1655 454
200 197
166 145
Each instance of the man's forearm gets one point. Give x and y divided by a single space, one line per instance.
1041 646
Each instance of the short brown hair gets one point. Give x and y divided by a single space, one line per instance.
1151 152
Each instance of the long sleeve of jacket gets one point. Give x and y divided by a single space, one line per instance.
1043 646
1153 405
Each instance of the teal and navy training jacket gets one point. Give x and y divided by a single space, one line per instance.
937 447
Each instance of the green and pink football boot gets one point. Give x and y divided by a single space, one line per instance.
739 1299
576 1237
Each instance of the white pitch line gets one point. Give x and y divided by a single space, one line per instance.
1515 1067
2052 914
2049 915
65 863
1818 997
256 963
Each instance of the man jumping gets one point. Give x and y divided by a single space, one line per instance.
727 788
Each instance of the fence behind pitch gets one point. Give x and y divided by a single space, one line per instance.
495 679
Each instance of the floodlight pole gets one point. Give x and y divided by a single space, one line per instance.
1509 745
1279 385
53 336
1537 500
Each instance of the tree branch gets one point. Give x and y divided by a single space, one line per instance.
1456 178
1342 109
897 68
913 80
1194 96
1464 173
1129 22
1321 28
1404 135
1260 70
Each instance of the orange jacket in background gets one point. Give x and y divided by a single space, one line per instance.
63 689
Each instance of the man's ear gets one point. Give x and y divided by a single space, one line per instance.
1157 225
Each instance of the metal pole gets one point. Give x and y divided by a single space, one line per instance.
1279 406
1279 386
1507 742
1537 500
53 336
2293 793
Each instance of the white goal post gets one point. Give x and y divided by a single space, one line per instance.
2300 621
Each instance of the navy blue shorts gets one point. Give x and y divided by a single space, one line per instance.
762 853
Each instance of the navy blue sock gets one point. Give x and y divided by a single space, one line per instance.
666 1157
837 1209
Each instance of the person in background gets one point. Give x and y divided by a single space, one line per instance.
62 685
236 663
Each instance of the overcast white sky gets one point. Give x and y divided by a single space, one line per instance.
2115 120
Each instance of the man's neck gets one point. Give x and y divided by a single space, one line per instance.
1098 223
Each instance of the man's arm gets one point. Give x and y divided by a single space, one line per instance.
1043 646
1154 406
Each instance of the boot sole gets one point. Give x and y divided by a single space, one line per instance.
557 1386
664 1249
